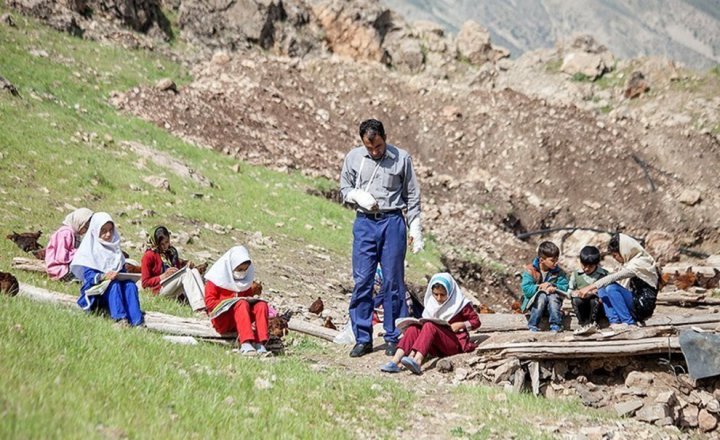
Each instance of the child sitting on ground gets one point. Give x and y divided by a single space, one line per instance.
99 259
232 303
161 261
544 284
586 305
64 243
443 300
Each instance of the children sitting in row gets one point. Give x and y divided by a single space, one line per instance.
445 301
544 285
64 243
161 261
99 260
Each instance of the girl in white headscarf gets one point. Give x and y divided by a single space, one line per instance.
629 294
444 301
232 303
99 260
64 242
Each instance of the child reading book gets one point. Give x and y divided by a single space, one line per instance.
166 275
232 303
64 243
99 263
443 331
586 305
544 285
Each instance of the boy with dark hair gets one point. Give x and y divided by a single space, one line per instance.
586 305
543 286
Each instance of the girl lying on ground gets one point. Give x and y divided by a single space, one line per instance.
98 262
161 261
628 295
443 300
232 303
64 243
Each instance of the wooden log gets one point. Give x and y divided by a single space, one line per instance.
28 264
508 322
534 369
170 324
564 350
686 299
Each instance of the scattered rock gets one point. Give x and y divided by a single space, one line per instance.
636 86
689 416
639 379
445 366
473 44
181 340
262 384
157 182
7 85
7 19
706 421
652 412
629 407
166 84
690 197
666 398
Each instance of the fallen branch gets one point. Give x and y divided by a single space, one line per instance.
645 167
686 300
29 264
170 324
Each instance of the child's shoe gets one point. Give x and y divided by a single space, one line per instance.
533 328
556 328
411 365
390 367
247 349
261 349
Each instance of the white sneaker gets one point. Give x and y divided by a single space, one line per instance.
585 330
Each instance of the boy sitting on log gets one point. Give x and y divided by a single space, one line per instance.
543 285
586 304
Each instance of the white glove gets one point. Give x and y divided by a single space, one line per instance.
363 198
416 234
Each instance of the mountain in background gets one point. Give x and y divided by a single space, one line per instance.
684 30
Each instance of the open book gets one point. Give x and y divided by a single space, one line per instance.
127 276
227 304
98 289
403 323
174 276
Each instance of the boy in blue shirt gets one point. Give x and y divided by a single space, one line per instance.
544 285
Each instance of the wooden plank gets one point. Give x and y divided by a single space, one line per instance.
170 324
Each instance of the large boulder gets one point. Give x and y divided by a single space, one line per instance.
473 44
282 26
586 59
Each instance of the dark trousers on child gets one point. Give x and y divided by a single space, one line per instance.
586 309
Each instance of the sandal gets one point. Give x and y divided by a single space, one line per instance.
247 350
411 365
390 367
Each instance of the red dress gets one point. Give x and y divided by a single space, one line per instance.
242 315
440 341
151 267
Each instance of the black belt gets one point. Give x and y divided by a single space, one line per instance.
379 215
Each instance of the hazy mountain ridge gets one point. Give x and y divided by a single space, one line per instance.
684 30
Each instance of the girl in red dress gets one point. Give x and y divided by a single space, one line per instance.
231 301
443 301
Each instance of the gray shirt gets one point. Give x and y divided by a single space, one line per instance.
391 179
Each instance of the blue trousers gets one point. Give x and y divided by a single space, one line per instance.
381 241
617 303
121 300
543 302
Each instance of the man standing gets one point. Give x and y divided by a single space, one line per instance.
378 178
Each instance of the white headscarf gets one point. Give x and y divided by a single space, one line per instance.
96 253
455 299
77 219
221 273
638 261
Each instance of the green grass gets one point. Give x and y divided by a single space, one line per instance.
64 147
87 379
519 415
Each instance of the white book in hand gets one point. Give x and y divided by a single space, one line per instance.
403 323
178 274
98 289
127 276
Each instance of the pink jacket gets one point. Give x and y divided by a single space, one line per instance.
60 252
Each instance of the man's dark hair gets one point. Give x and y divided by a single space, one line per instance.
372 128
547 249
590 255
614 244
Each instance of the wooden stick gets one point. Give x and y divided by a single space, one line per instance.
29 264
170 324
